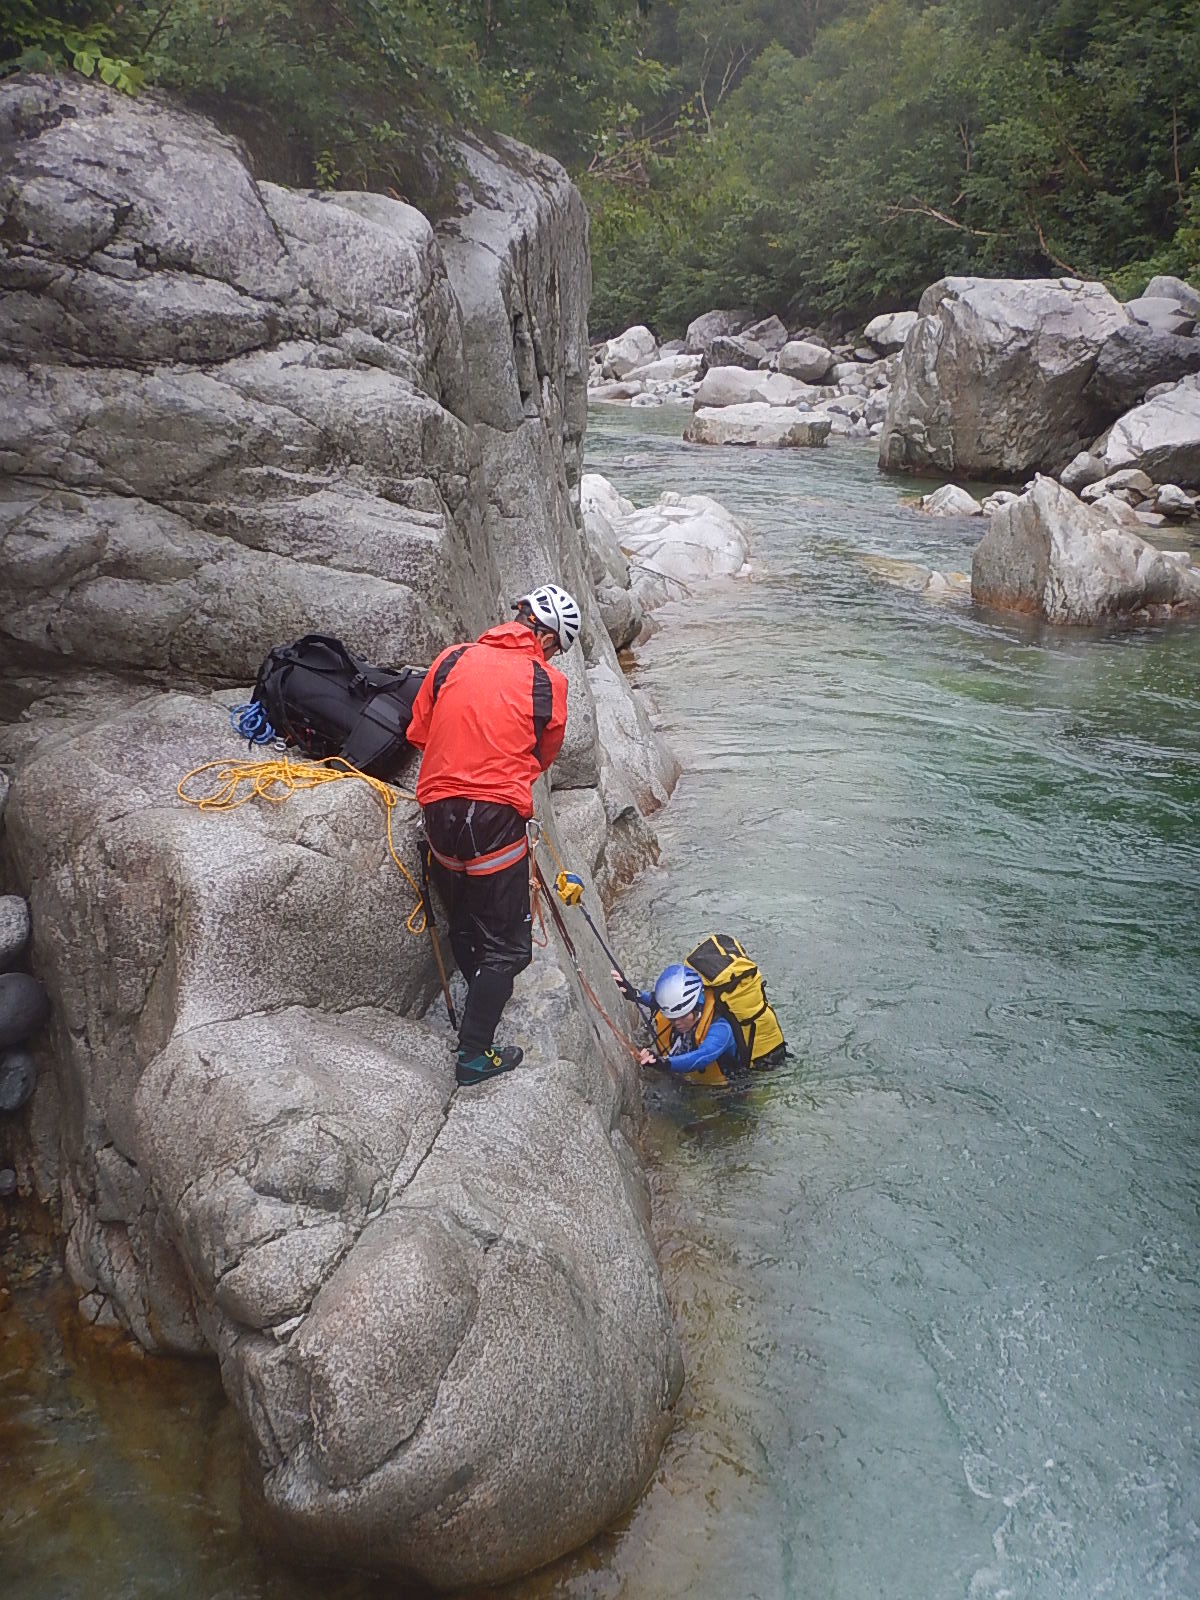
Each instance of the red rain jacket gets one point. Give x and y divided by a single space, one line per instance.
490 717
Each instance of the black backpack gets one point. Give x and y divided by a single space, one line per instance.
327 701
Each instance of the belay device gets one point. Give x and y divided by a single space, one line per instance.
325 700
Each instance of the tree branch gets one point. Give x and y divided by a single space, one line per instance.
922 208
1046 250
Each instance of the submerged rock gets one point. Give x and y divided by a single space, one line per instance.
951 501
1049 554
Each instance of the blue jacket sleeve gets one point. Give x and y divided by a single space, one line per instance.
717 1042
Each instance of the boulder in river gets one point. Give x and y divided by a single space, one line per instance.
951 501
1136 359
773 427
1050 555
993 379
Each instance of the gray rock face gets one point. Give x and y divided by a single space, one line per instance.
1049 554
1162 313
993 379
232 414
14 929
1162 437
1137 358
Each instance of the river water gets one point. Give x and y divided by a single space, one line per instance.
937 1277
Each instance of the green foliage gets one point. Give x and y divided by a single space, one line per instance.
45 39
846 167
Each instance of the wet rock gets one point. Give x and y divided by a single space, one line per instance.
951 501
24 1007
1049 554
8 1186
14 929
18 1078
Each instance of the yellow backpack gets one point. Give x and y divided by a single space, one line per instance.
736 984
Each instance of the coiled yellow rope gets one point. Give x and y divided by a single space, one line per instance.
234 783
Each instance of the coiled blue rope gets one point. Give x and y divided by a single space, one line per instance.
250 722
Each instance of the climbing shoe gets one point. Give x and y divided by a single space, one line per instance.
488 1064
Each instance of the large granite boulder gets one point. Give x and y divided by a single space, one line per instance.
1048 554
230 414
1161 436
993 381
756 423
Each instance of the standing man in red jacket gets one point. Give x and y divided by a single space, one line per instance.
490 717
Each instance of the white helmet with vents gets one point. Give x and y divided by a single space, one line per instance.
555 609
679 991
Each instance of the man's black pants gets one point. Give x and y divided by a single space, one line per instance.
491 931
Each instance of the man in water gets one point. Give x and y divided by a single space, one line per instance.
490 717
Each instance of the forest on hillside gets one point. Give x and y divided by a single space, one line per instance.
821 159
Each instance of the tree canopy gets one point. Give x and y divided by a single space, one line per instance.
821 159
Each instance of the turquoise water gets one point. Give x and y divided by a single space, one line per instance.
937 1278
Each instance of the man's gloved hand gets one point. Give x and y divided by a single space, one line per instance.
650 1058
624 985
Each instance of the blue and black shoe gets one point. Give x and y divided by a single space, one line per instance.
488 1063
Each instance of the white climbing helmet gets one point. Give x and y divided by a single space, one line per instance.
678 991
555 609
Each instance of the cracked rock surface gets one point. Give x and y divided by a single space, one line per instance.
231 413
